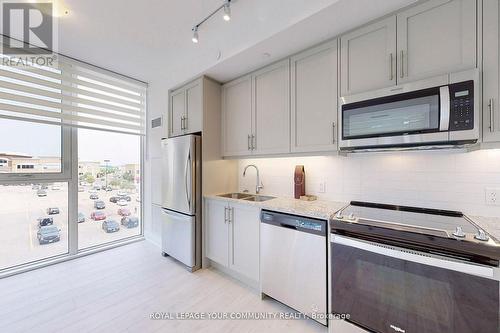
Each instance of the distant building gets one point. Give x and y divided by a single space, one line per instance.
21 163
94 168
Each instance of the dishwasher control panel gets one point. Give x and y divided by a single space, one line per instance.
299 223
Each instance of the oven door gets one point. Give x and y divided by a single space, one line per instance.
387 289
410 118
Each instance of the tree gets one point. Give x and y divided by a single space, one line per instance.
128 176
89 178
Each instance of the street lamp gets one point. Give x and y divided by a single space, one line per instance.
106 173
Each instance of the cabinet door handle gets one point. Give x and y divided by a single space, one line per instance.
392 68
492 115
254 142
182 123
248 142
402 64
225 215
185 123
333 132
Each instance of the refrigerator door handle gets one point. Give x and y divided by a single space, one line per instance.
173 214
188 174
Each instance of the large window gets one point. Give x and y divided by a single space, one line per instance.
71 143
109 178
33 222
27 147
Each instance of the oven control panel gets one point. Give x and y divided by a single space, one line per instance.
461 106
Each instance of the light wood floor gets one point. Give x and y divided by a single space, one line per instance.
117 290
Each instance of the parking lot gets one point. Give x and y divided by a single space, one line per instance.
20 207
90 232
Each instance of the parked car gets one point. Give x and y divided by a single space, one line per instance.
35 186
98 216
52 211
81 217
45 221
130 221
41 193
108 189
94 196
48 234
97 188
122 202
81 189
117 198
44 187
124 211
99 204
110 226
122 194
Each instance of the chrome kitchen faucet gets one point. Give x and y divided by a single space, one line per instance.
259 186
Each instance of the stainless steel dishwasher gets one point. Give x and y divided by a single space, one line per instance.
293 261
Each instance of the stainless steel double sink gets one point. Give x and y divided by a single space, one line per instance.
246 196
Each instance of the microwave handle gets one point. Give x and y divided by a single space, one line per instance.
444 108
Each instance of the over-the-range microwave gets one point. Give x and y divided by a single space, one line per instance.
441 112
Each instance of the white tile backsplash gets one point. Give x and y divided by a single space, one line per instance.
445 180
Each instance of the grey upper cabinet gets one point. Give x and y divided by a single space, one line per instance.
368 57
177 111
186 109
272 109
314 99
491 71
256 112
193 121
237 117
436 37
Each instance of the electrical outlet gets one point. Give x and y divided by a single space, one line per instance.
492 196
322 187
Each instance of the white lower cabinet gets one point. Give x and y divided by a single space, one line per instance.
232 236
216 231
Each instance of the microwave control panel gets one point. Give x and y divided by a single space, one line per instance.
461 106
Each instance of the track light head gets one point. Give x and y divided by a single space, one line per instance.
195 35
227 10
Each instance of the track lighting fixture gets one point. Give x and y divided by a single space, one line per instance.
227 10
226 7
195 34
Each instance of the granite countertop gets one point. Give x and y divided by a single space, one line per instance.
490 224
320 209
323 209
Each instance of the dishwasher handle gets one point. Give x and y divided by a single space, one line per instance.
288 226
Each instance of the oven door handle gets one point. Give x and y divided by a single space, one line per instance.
413 256
444 108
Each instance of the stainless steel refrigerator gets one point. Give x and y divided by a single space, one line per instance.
181 193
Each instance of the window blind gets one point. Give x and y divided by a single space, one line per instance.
72 94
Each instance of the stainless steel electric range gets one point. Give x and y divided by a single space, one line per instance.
407 269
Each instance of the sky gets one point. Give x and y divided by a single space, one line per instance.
45 140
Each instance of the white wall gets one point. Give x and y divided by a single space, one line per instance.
157 106
446 180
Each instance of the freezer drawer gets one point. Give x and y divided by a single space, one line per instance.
294 266
179 237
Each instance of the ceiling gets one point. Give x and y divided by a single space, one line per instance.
151 39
